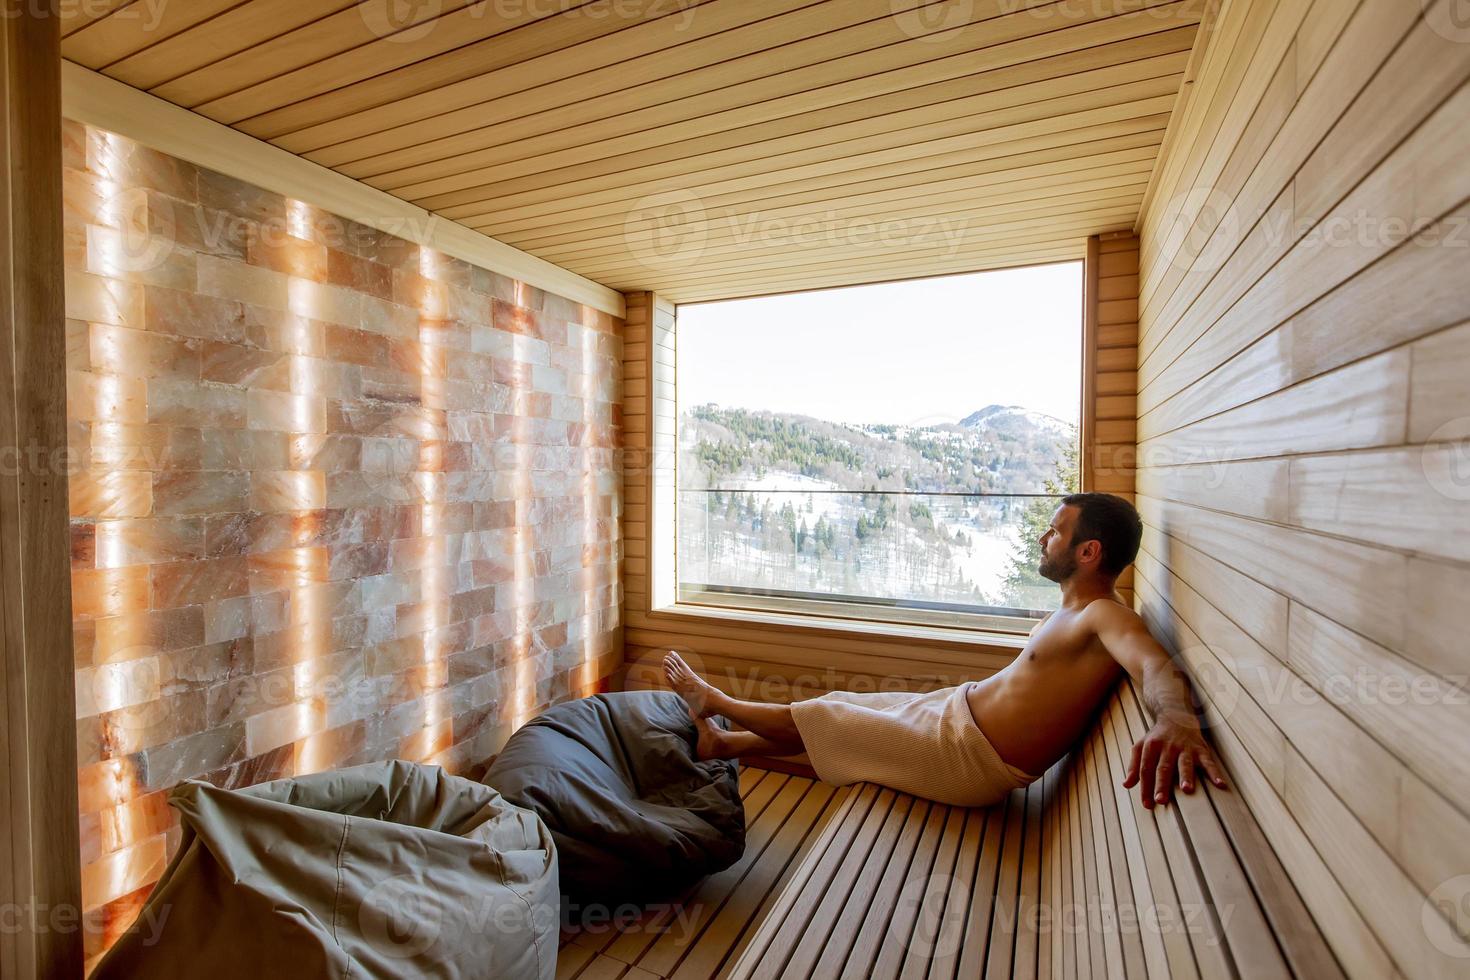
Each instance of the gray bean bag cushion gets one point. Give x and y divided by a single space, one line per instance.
385 870
636 818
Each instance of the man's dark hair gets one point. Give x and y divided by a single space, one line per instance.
1112 522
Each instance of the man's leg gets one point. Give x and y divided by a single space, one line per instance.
770 721
715 743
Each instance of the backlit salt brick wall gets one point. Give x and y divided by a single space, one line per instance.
335 498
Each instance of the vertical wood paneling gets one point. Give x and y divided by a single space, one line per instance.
40 889
1300 435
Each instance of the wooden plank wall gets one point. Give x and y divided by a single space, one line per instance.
1109 370
1302 415
40 881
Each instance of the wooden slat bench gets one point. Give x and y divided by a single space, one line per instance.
1070 877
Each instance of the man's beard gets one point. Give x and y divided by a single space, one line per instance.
1058 571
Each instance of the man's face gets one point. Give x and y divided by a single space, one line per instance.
1058 562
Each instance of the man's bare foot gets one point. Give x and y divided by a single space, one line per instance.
711 744
699 694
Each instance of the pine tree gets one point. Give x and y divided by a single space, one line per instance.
1023 583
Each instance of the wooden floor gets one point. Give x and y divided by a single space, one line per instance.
1066 878
700 937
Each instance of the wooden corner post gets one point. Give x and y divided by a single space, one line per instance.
40 876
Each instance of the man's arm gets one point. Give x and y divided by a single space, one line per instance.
1174 744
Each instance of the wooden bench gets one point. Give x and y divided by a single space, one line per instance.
1070 877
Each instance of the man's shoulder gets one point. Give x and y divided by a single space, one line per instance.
1110 610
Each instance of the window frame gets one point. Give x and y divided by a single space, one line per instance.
666 594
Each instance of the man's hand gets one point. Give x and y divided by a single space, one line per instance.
1172 746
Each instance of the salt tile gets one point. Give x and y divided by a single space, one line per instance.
202 229
359 274
132 164
120 543
105 398
113 446
235 196
227 619
287 490
236 281
188 314
139 258
288 568
204 492
99 494
244 449
168 764
193 582
357 560
280 726
354 346
117 684
236 364
285 332
141 353
122 871
109 591
100 299
73 144
289 255
283 412
140 635
330 453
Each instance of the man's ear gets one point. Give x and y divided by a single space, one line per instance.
1089 551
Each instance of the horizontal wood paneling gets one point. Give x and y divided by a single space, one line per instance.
1301 412
1109 370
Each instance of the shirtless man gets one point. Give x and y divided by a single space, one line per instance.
972 744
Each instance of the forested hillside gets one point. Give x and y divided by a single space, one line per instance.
794 503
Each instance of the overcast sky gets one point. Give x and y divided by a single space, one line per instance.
918 352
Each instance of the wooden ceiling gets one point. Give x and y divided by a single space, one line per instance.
702 148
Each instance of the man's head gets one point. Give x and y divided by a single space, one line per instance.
1095 532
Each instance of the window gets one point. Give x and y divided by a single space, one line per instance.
886 452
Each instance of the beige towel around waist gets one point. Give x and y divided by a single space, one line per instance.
924 744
